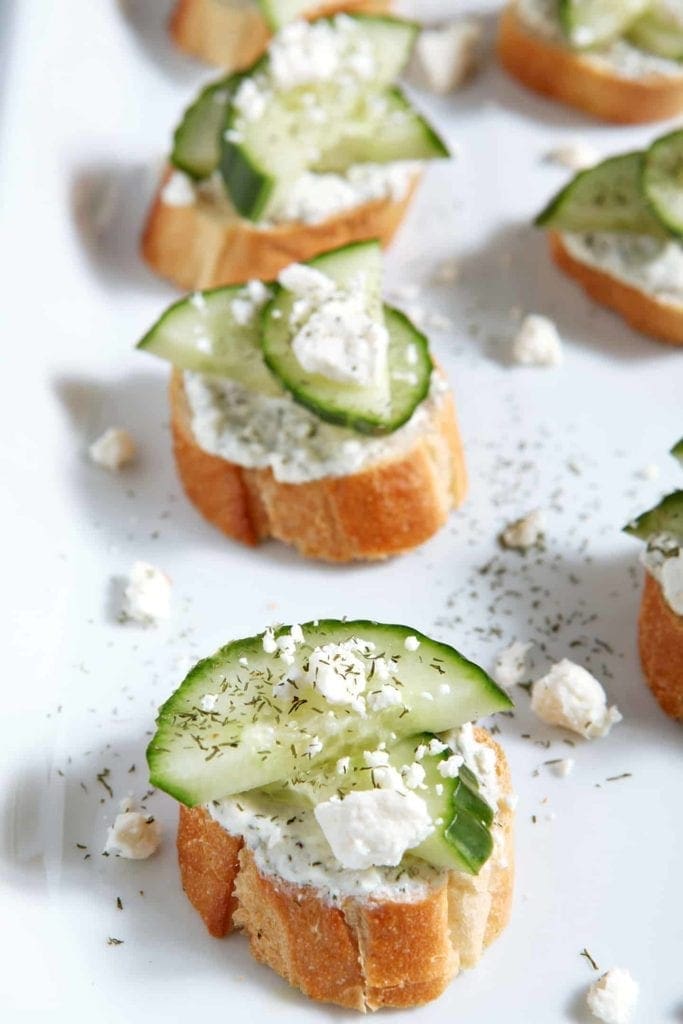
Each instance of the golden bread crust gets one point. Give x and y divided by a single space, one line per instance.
652 316
660 639
361 955
234 39
386 509
564 75
202 246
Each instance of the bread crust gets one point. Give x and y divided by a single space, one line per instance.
360 955
560 73
390 507
660 639
650 315
234 39
204 246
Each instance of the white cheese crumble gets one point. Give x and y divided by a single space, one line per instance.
179 190
374 827
480 759
133 835
249 302
537 342
411 643
510 666
649 472
613 997
652 265
444 57
304 53
413 775
450 767
386 696
114 449
575 155
337 673
569 696
148 594
208 701
663 559
563 767
341 342
524 533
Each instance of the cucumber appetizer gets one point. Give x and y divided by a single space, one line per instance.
324 337
666 517
640 193
659 30
321 100
654 26
309 716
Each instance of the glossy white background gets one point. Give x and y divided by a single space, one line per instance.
90 93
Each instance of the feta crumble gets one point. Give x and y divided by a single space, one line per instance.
147 598
337 673
524 533
178 190
510 666
444 57
537 343
563 767
613 997
386 697
450 767
374 827
411 643
575 155
569 696
133 835
208 701
113 449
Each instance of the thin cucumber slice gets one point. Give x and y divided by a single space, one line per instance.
590 23
196 142
659 31
280 12
255 733
677 451
607 197
666 517
663 180
201 333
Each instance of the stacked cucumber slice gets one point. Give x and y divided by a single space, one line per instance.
262 134
247 719
206 333
639 192
651 25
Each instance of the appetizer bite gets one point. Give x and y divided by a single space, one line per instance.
619 60
308 411
660 625
310 149
232 33
337 805
617 229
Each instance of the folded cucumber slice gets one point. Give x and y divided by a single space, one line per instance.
659 31
607 197
196 142
377 409
663 180
666 517
589 23
201 333
260 729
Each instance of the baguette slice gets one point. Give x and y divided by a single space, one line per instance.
562 74
233 37
648 314
360 955
382 510
660 638
204 245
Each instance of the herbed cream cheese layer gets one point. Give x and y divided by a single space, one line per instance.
652 265
663 559
260 432
288 844
620 57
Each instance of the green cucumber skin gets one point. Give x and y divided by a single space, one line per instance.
677 451
655 34
204 117
249 188
571 20
177 714
666 517
664 163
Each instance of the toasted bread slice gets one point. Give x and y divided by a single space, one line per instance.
647 313
383 510
563 74
204 245
233 37
361 955
660 638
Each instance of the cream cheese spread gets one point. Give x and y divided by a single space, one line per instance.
621 57
652 265
663 559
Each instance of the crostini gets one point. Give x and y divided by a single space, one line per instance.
619 60
232 34
338 807
660 625
311 148
617 228
307 411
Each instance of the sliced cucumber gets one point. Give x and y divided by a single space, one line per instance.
607 197
663 180
280 12
254 735
666 517
589 23
677 451
659 31
201 333
196 142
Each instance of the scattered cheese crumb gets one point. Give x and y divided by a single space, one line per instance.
178 190
386 697
314 747
446 56
510 667
649 472
208 701
413 775
269 642
133 835
564 767
342 765
411 643
113 449
524 533
450 767
537 343
570 696
575 155
375 827
613 997
148 594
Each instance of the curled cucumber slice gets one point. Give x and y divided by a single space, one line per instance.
591 23
662 180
